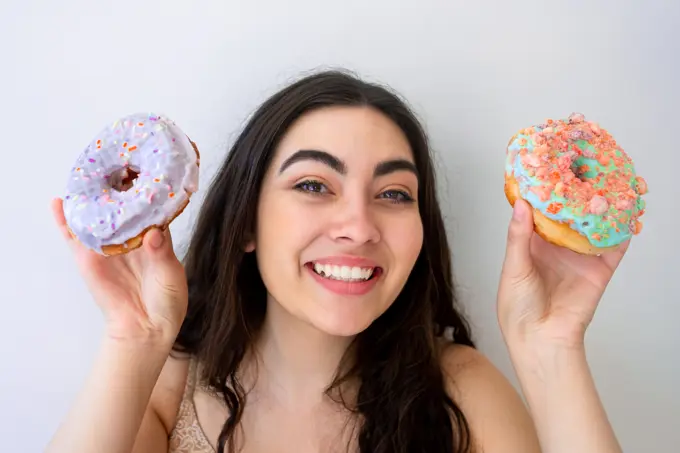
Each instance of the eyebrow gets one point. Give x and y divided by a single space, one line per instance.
382 169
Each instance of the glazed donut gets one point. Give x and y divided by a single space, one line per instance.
581 185
139 172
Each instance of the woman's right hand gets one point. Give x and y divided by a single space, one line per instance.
142 293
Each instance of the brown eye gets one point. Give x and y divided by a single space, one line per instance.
313 187
397 196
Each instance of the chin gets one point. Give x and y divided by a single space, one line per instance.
343 309
342 326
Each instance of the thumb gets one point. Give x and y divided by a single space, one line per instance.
161 260
158 244
159 253
518 264
164 284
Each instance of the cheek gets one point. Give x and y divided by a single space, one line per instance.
406 239
284 230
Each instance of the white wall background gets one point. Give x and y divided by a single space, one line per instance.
475 71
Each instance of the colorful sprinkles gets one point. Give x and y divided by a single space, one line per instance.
575 172
139 159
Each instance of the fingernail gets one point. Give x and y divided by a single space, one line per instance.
156 239
518 212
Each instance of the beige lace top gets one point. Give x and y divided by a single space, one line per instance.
187 436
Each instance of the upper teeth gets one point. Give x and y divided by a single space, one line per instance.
343 272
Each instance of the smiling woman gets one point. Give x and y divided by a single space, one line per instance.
362 194
315 310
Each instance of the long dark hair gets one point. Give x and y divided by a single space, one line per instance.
401 402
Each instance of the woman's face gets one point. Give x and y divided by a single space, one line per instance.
338 226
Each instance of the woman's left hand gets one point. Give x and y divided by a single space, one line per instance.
547 294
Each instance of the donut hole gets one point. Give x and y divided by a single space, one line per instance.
123 179
583 169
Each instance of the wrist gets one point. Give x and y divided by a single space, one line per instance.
141 338
548 361
145 355
545 341
132 363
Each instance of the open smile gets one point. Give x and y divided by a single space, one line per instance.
342 277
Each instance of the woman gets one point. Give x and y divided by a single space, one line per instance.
315 310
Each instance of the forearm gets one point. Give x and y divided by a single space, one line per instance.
108 412
563 401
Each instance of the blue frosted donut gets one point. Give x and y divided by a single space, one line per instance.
583 187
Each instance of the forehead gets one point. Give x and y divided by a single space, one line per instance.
354 134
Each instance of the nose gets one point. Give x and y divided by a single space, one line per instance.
355 222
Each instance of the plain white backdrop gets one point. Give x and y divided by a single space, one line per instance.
475 72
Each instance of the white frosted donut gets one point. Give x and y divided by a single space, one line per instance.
137 173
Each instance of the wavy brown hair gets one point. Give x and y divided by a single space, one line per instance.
402 403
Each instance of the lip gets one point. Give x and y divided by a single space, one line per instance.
343 288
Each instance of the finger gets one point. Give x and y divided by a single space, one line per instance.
88 260
57 206
157 244
160 260
613 259
518 263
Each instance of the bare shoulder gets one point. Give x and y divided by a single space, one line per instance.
494 410
169 390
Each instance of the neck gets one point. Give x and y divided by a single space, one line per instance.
296 361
